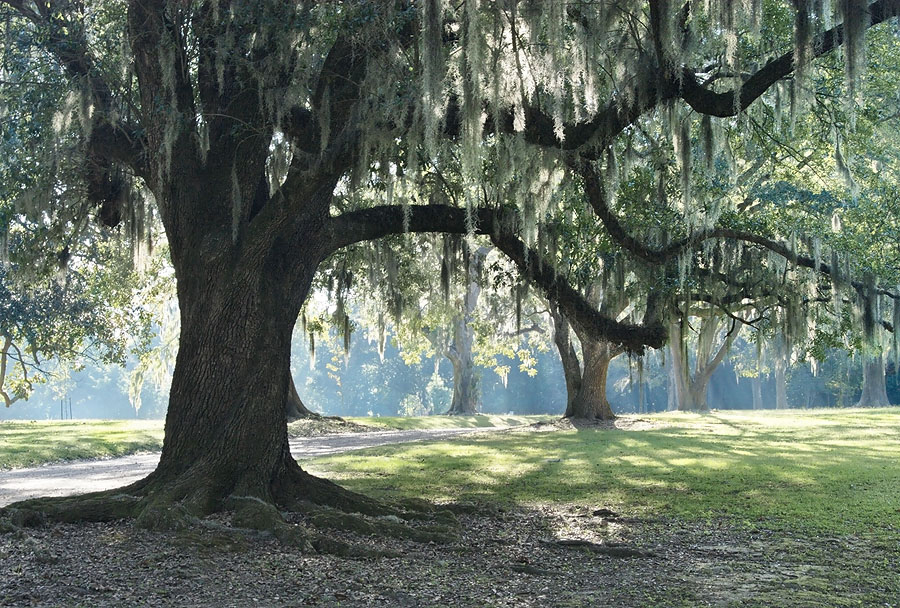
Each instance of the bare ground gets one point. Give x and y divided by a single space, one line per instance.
502 559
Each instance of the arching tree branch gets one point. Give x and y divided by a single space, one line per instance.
729 103
593 188
501 225
113 140
590 138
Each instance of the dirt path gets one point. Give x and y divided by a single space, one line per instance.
95 475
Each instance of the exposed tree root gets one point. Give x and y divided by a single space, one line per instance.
382 526
611 550
296 487
290 510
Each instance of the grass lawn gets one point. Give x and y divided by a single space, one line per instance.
833 471
24 444
403 423
31 443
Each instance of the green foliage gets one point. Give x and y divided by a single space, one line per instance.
86 313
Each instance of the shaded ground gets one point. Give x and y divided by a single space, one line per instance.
503 559
94 475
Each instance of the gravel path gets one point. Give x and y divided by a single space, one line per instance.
95 475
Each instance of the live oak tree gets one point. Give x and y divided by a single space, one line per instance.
241 120
585 376
804 179
691 384
590 262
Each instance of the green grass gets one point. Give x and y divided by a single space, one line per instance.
448 422
24 444
825 470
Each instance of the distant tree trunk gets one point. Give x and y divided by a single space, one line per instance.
590 402
672 389
757 392
465 376
874 391
642 396
691 388
781 357
294 408
570 364
585 380
466 389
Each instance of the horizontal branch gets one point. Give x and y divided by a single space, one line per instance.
501 225
655 88
722 104
658 256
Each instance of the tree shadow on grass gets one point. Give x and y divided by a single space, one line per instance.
824 481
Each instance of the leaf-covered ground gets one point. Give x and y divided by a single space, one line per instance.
508 559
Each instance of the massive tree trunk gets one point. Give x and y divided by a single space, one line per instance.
874 391
226 425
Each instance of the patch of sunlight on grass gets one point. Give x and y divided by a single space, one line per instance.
831 471
32 443
404 423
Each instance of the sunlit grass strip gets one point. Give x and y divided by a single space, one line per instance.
824 470
24 444
448 422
